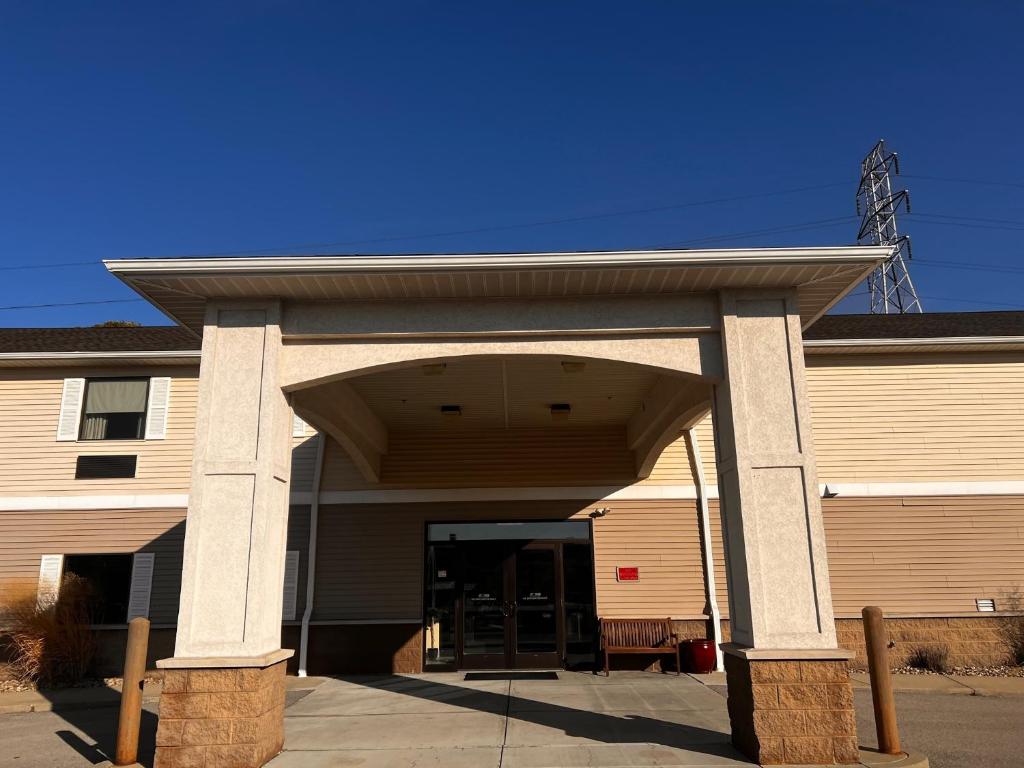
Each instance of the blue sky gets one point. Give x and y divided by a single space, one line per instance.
142 129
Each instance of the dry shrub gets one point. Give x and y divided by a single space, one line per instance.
934 658
1011 628
49 645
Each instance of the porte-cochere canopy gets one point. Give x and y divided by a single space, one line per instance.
394 355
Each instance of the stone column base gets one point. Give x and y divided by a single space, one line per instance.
791 711
231 717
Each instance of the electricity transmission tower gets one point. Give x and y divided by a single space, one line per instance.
890 286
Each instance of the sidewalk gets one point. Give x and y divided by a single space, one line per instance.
59 699
956 684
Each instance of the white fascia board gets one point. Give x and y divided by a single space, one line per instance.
946 341
186 354
504 261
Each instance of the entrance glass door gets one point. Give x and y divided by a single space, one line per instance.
537 607
508 595
485 605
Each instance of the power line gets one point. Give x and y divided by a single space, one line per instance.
982 182
819 224
975 301
68 304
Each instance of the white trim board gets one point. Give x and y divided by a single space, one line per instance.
656 492
590 492
113 501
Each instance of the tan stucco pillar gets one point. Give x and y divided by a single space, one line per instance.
223 693
789 691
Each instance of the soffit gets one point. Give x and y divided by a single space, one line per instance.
180 287
491 389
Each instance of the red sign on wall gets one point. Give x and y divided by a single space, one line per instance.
627 573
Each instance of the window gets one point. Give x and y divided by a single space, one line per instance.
110 582
115 409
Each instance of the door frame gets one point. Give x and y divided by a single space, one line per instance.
511 660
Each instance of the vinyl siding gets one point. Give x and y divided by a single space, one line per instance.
370 557
915 418
915 555
34 463
26 536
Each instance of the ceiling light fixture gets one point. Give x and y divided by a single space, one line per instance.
560 411
433 369
451 410
573 366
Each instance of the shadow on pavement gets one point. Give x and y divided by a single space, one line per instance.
596 726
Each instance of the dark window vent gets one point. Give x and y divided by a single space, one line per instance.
98 467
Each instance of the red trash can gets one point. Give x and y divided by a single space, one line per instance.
699 656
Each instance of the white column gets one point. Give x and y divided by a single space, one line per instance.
779 596
231 592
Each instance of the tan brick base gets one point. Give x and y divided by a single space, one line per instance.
973 641
792 712
230 718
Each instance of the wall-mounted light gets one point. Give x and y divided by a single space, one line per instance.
433 369
573 366
560 411
451 410
600 512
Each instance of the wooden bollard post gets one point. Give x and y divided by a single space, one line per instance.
881 681
130 718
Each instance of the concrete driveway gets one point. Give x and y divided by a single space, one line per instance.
630 719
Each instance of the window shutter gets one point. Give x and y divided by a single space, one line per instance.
70 409
142 585
156 411
291 584
50 568
298 426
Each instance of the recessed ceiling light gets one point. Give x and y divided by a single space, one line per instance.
451 410
560 411
433 369
573 366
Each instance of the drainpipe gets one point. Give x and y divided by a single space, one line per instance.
707 560
314 516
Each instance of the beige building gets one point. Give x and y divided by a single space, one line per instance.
452 462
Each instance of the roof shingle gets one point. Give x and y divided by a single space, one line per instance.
157 338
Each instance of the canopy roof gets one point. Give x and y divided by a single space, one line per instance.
181 286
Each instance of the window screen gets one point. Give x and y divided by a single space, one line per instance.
115 409
110 582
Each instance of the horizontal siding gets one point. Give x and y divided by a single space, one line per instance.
923 555
370 557
918 418
34 463
26 536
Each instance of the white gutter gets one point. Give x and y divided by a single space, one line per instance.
295 265
130 354
314 515
707 559
913 342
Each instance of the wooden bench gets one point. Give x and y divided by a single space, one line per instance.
638 636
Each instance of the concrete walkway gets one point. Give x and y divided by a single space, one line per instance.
630 719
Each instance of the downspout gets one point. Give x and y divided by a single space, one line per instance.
707 559
314 516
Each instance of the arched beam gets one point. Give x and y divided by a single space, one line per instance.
672 406
310 363
339 411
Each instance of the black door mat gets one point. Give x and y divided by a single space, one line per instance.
511 676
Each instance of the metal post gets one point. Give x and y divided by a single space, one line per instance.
129 720
881 681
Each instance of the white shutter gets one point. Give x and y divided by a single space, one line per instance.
142 585
298 426
291 584
156 410
70 409
50 568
